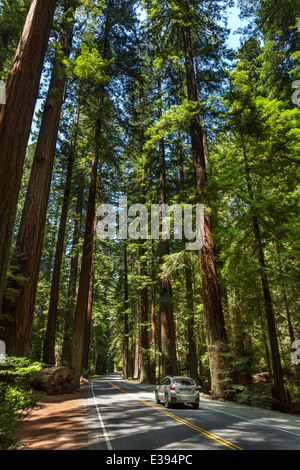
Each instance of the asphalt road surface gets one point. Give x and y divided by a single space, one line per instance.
123 416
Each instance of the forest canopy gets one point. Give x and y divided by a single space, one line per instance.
110 99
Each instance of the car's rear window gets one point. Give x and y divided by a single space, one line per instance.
183 382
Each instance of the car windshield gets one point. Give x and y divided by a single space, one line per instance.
183 382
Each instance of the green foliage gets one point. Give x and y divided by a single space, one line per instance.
19 370
277 24
17 398
12 18
251 396
89 66
175 119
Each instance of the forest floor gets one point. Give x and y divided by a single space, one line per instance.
58 424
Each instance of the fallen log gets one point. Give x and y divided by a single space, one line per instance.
54 380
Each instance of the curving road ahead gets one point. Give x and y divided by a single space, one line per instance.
123 416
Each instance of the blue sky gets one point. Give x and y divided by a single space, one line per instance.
234 23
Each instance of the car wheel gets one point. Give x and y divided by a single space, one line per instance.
195 406
167 403
157 400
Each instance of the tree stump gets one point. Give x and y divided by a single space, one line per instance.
54 380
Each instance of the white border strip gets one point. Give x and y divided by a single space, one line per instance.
109 446
254 421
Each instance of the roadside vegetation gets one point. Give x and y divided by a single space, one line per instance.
148 101
17 398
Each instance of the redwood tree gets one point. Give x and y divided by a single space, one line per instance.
49 344
126 322
16 118
27 253
80 321
213 312
167 325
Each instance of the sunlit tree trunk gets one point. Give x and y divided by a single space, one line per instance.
167 325
16 119
126 370
88 325
71 300
49 344
28 249
192 356
153 319
213 313
78 336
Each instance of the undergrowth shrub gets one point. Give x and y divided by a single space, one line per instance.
17 397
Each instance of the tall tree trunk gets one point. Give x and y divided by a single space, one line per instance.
88 325
145 358
137 346
264 338
278 387
43 301
285 301
192 356
71 300
213 313
168 342
27 253
16 118
132 322
126 370
202 118
49 344
81 327
77 344
145 363
191 323
153 319
168 345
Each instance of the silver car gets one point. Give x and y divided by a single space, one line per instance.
174 389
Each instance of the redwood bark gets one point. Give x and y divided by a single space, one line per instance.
77 344
71 303
145 358
28 249
167 325
137 348
126 325
153 319
213 313
49 344
79 336
191 323
192 356
202 117
88 325
16 118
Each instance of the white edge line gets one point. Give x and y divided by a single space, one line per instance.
109 446
256 422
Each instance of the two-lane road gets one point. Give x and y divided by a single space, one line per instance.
123 416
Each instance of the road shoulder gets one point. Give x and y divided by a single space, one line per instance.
59 424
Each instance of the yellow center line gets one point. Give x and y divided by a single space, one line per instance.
183 421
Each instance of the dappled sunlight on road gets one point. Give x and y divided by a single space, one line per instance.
132 420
